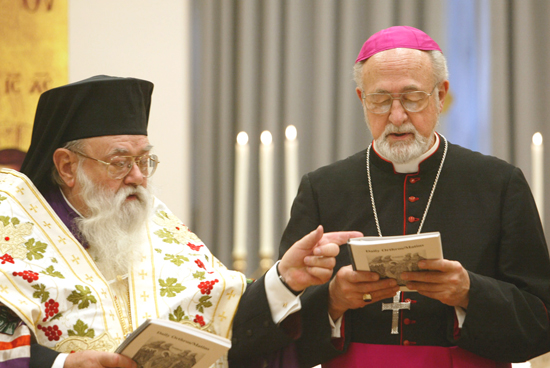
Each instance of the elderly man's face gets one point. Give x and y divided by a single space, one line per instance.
105 148
397 71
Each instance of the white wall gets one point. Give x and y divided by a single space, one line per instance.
150 40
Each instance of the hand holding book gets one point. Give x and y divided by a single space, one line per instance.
390 256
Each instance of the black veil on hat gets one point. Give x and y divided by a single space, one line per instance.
94 107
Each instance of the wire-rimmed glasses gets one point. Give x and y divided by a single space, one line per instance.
120 166
413 101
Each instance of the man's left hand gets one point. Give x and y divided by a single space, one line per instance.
450 285
311 260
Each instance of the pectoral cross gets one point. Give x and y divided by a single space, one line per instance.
395 307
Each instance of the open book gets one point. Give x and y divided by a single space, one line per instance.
390 255
162 343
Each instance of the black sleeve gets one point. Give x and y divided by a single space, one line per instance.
255 335
42 357
507 318
315 345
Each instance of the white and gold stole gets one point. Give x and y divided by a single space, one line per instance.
49 280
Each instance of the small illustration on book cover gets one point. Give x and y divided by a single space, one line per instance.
159 353
391 266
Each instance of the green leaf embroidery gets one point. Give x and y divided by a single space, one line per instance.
40 292
81 329
2 198
199 275
6 220
58 315
158 250
35 249
170 288
163 214
51 272
177 260
178 315
166 236
54 260
81 297
204 302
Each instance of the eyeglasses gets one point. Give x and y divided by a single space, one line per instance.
380 103
120 166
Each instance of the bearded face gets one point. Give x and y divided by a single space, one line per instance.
403 151
114 225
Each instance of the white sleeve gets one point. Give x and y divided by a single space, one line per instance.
460 316
59 362
336 327
282 302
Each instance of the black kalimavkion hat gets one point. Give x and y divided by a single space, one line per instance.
93 107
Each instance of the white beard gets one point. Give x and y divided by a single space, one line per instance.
402 152
114 227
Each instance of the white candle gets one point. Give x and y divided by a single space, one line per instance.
291 165
266 196
537 169
242 153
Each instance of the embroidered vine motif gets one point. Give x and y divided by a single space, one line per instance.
170 287
7 258
103 342
173 230
199 275
178 315
35 249
81 329
51 272
178 260
12 237
81 296
51 307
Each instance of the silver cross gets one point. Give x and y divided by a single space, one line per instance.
395 307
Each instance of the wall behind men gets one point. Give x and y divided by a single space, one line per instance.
148 40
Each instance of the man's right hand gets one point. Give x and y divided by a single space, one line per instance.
347 288
98 359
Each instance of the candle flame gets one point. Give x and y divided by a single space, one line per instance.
266 138
537 139
242 138
291 133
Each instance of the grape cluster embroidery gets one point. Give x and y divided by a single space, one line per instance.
29 276
51 309
51 332
207 286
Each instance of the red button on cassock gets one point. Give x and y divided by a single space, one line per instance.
413 180
406 342
413 199
413 219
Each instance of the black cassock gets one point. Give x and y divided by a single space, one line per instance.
488 221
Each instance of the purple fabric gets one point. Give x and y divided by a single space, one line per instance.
396 37
64 212
286 357
383 356
16 363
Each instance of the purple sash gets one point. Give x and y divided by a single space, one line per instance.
383 356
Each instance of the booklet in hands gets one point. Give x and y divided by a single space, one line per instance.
163 343
389 256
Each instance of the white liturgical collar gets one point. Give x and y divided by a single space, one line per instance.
411 166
